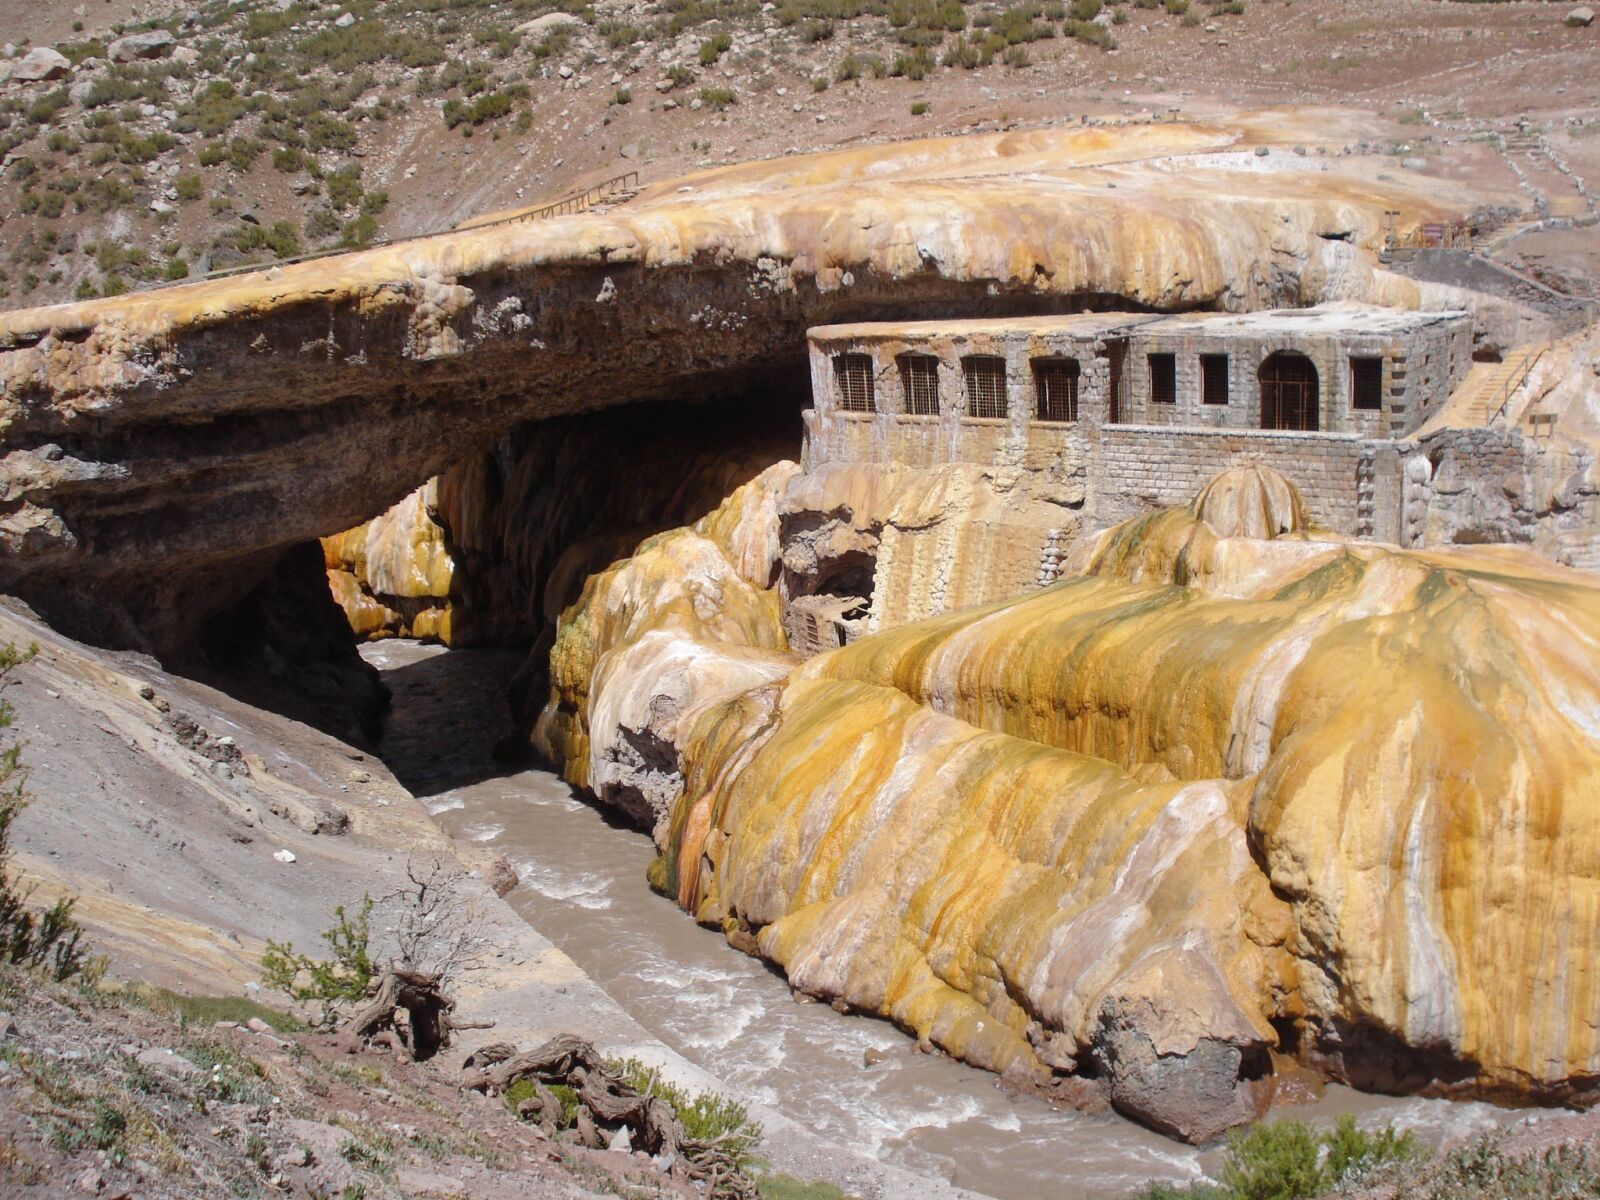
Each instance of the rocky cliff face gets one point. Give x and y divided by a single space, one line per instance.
162 450
1227 791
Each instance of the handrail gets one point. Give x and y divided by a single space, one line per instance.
1516 379
575 203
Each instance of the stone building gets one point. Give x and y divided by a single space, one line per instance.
1052 427
1145 408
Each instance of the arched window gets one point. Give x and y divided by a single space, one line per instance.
1055 389
1288 392
853 373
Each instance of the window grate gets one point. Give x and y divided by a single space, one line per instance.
853 374
986 386
1366 383
1055 388
1213 379
1163 379
919 383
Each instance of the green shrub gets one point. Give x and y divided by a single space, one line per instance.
346 975
623 96
705 1116
718 98
680 75
189 187
1289 1160
1085 10
920 108
779 1186
344 187
714 47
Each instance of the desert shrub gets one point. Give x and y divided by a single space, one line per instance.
714 47
243 152
189 187
781 1186
1289 1160
44 109
344 976
1085 10
915 65
705 1116
680 75
1480 1170
344 187
718 98
920 108
622 96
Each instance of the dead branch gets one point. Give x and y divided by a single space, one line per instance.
605 1099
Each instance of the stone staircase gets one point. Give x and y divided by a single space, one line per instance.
1483 394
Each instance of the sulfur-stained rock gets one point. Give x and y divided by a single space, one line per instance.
392 575
1144 823
685 622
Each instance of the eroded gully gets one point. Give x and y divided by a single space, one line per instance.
582 875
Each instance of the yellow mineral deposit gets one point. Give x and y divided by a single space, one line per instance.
392 574
1133 825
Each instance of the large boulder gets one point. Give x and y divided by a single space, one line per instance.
156 43
549 23
41 64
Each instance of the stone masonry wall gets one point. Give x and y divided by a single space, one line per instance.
1136 468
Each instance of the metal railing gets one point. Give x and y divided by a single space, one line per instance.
1515 380
588 198
575 203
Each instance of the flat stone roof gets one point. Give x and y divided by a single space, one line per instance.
1324 320
1075 324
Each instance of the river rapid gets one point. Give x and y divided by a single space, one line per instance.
582 873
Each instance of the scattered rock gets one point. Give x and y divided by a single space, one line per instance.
41 64
164 1059
345 21
501 876
1580 18
256 1024
543 27
284 856
90 1182
872 1056
157 43
631 150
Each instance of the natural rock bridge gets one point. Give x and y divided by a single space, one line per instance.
163 450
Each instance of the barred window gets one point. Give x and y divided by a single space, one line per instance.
1055 389
1163 379
986 385
853 374
1366 383
1213 379
919 382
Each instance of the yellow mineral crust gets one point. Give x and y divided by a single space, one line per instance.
392 574
1127 210
1000 898
1419 734
1211 789
688 619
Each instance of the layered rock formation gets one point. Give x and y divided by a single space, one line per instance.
163 449
1229 790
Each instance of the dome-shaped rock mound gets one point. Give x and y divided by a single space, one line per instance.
1251 501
